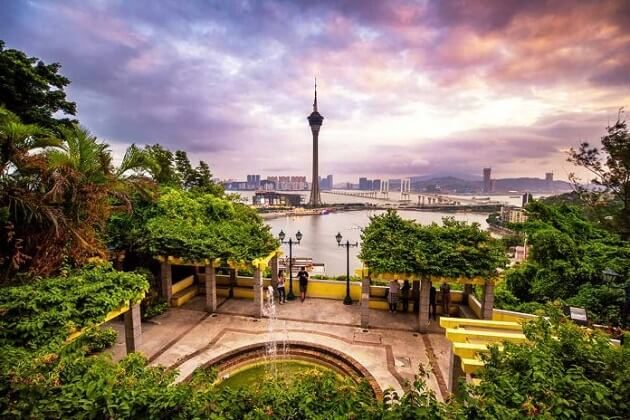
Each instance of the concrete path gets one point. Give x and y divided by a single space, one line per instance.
186 338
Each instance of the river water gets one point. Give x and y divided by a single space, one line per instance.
319 232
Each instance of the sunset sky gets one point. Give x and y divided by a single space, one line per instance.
406 87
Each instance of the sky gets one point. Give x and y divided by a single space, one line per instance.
406 88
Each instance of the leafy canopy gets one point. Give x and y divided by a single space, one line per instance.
568 255
610 167
47 311
455 249
196 226
32 89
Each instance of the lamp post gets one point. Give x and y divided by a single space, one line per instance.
347 300
298 236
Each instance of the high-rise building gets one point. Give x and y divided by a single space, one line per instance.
487 180
253 181
549 181
527 197
363 184
376 185
326 183
315 121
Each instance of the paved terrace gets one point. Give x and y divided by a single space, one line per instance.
187 337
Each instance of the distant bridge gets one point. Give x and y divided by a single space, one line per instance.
423 200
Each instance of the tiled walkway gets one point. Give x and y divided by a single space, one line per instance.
187 337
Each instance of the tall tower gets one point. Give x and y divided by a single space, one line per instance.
487 181
315 120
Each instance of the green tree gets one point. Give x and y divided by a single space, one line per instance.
611 169
33 90
163 169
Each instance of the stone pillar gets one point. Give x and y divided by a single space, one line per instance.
487 304
258 293
468 290
455 371
365 303
211 289
133 328
274 274
167 280
423 315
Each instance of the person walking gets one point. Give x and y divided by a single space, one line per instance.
303 277
445 289
392 297
432 303
282 297
404 295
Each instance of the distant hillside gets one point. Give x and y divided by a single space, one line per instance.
530 184
454 184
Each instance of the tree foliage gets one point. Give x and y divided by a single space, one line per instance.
33 90
46 311
196 226
454 249
610 166
57 193
563 371
567 257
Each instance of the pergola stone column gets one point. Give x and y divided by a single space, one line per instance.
468 290
273 265
211 288
423 314
365 303
258 293
455 371
167 280
133 328
487 305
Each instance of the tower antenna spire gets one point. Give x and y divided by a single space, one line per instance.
315 101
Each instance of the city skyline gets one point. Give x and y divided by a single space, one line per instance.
409 88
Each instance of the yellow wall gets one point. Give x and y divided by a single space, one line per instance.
503 315
325 289
474 305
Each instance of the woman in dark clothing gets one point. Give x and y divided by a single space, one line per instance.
282 297
303 277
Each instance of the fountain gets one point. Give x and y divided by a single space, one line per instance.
280 359
275 347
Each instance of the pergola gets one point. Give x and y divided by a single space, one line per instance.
133 324
423 282
210 266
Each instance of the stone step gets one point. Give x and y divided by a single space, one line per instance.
183 296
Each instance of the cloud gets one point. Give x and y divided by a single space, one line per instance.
406 87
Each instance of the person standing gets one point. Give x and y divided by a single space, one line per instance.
392 297
303 277
432 303
282 297
404 295
445 289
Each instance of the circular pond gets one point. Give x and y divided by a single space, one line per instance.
257 372
249 364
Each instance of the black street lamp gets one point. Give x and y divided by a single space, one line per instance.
298 236
347 300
